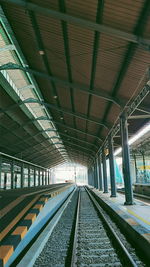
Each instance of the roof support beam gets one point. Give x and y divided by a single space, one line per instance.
82 147
144 110
59 124
130 52
99 16
145 43
67 111
49 164
98 92
30 155
47 155
79 151
62 8
78 139
135 117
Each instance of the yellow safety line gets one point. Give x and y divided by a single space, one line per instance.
137 216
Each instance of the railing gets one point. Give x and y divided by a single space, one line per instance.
18 173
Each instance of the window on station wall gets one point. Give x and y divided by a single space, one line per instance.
26 175
141 168
31 177
37 178
44 178
17 177
5 176
69 173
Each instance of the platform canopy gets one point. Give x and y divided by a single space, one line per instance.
68 70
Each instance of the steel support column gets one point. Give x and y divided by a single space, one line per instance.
5 180
42 177
126 160
12 174
112 167
29 177
144 167
46 177
34 174
136 170
97 174
100 173
92 171
39 177
0 172
104 172
16 178
22 175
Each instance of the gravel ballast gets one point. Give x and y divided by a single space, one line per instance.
55 250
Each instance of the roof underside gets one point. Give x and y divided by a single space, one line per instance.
86 76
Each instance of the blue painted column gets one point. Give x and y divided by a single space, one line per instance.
90 176
93 180
96 177
126 160
100 173
104 172
112 167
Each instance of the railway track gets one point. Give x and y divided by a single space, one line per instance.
86 236
96 243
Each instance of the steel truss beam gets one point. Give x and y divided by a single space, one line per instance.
145 43
52 164
66 111
96 48
88 149
79 140
48 155
35 135
136 117
34 154
56 122
63 110
62 7
143 109
77 86
40 143
129 110
79 151
130 52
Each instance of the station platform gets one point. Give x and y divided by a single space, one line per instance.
23 210
134 219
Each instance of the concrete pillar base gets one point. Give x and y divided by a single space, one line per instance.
129 203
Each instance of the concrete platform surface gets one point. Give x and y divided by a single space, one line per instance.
136 216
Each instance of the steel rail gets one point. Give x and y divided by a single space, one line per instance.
119 243
74 257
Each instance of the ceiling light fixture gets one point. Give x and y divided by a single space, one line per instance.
41 52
